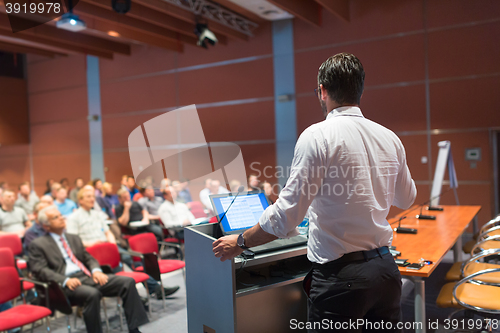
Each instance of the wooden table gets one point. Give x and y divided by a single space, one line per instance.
433 240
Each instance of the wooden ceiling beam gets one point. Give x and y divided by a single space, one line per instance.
17 48
187 16
339 8
132 23
306 10
28 35
104 27
71 38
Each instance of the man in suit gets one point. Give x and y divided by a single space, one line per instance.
62 257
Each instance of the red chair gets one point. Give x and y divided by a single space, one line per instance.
7 260
144 247
20 315
13 242
107 254
197 209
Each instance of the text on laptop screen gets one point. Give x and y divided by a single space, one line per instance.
243 214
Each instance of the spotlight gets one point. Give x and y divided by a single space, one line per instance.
204 35
71 22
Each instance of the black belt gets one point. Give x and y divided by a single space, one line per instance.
360 255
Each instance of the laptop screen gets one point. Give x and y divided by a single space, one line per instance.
243 214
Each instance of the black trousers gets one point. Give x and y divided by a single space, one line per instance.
357 296
155 229
89 296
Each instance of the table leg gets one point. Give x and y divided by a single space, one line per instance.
420 305
475 226
457 250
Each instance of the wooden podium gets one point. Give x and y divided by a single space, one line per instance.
261 294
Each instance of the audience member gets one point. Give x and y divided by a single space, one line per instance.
47 198
73 194
151 203
49 183
205 192
92 228
214 188
53 190
253 183
65 183
123 182
183 194
234 185
65 205
268 189
108 201
62 257
97 183
174 214
130 211
132 189
139 195
36 229
12 219
1 195
26 200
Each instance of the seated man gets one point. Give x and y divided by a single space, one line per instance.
151 203
108 201
183 194
130 211
214 188
36 229
12 219
174 214
27 200
61 257
90 225
65 205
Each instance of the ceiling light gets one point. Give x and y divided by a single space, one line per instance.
204 35
71 22
113 33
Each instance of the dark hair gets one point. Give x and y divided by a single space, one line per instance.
343 76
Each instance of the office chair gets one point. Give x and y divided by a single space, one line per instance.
13 242
19 315
459 270
144 248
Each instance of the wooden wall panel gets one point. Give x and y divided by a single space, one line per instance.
14 125
465 103
58 73
474 50
60 138
442 13
368 19
146 93
58 105
231 82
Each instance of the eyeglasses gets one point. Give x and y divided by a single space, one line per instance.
56 217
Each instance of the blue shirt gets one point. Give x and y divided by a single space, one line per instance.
66 208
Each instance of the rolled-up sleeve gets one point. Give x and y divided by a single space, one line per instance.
306 175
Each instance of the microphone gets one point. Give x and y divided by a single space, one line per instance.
240 189
401 230
430 217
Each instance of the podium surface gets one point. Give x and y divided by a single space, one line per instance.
259 294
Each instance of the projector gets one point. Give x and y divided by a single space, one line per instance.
71 22
204 35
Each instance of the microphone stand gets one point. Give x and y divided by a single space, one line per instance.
401 230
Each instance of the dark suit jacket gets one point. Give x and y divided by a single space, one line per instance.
47 262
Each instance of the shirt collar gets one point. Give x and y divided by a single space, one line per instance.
56 236
345 111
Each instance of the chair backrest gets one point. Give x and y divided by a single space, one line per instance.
143 243
105 254
9 284
13 242
197 209
6 257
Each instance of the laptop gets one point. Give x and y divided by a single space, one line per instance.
243 214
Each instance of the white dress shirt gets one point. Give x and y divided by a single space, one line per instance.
90 225
205 196
174 214
349 170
